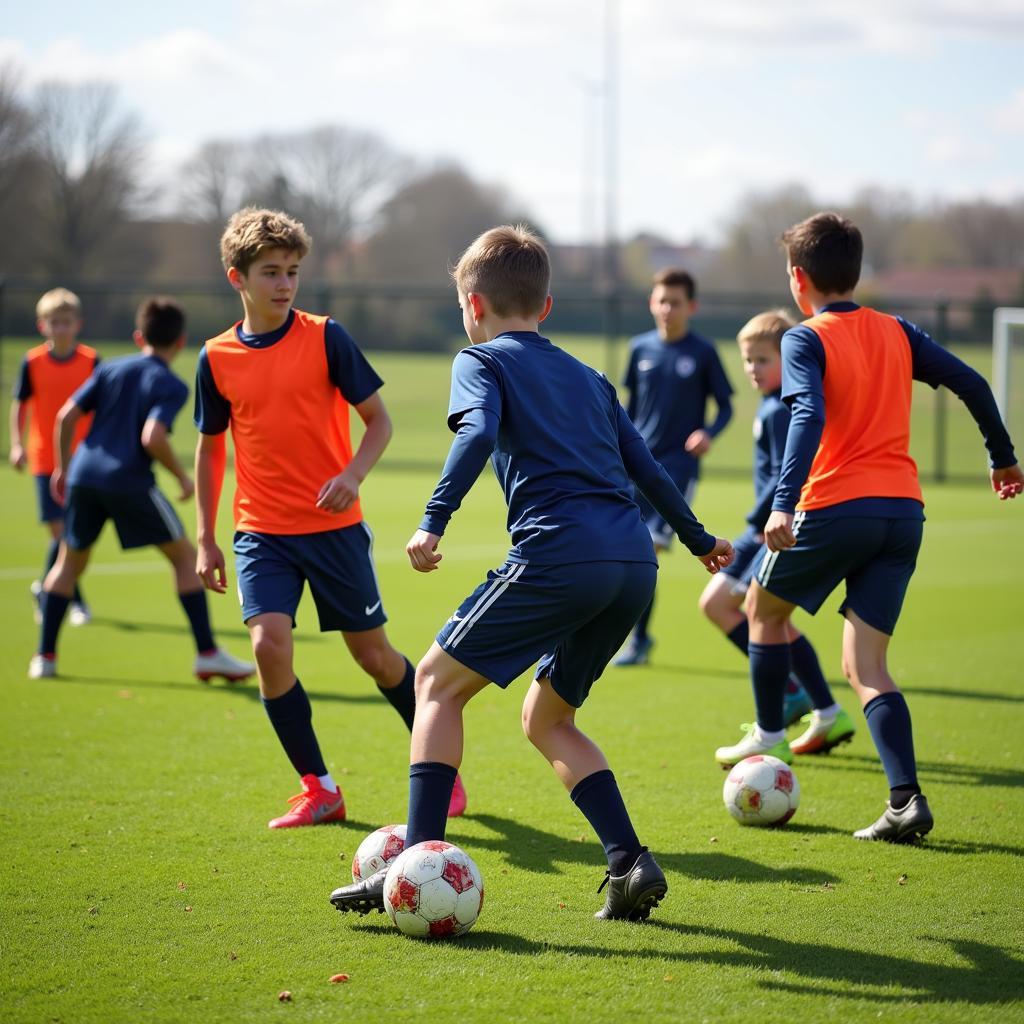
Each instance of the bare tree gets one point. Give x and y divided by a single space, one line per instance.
211 182
16 132
90 154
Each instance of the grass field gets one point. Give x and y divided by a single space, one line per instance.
140 883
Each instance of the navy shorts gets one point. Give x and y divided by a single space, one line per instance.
747 546
876 557
337 564
49 510
572 618
141 518
661 532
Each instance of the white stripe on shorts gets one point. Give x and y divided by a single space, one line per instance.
369 554
167 514
484 601
765 572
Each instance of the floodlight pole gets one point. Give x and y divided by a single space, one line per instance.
611 181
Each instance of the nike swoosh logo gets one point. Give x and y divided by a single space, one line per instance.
456 617
371 608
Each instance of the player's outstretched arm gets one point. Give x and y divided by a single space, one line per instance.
211 459
156 441
63 433
16 456
338 493
1008 482
422 551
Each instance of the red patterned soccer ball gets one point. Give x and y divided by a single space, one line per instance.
433 890
761 790
377 850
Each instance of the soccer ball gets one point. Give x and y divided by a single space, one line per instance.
377 850
761 790
433 890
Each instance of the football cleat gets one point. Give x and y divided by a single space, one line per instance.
911 822
362 897
457 804
636 652
220 663
821 735
42 667
79 614
35 588
752 744
312 806
796 705
632 896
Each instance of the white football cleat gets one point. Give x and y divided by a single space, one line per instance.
79 614
222 664
41 667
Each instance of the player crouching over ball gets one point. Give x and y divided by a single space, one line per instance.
581 570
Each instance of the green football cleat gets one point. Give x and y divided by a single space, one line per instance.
821 735
636 652
752 744
796 705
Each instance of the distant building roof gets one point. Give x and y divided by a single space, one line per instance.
958 284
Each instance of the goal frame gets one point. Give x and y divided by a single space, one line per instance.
1004 319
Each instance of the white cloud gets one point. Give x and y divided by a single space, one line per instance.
1010 116
955 150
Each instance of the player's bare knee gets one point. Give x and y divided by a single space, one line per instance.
372 660
271 650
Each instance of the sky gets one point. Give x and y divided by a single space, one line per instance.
714 100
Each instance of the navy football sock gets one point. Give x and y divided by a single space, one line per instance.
740 636
769 672
807 669
51 559
292 719
53 606
640 630
600 801
198 612
888 720
430 792
403 696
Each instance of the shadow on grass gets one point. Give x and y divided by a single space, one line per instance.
249 690
985 979
938 771
936 691
182 629
531 849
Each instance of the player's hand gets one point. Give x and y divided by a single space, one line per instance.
422 551
58 484
187 485
718 557
17 457
338 493
698 443
1008 482
778 531
210 566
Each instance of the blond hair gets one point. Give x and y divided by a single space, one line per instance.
769 326
251 231
58 300
509 265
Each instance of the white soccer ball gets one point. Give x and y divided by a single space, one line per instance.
377 851
761 790
433 890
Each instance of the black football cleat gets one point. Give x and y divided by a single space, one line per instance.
910 823
632 896
362 897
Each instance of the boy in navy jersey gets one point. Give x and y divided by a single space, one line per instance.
760 341
134 401
672 373
581 569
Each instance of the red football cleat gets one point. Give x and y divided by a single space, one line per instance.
457 804
312 806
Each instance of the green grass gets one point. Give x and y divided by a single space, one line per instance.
139 881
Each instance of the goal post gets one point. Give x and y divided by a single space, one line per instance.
1004 320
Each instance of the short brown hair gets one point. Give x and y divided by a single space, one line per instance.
58 300
829 248
769 326
252 230
511 266
160 321
676 277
